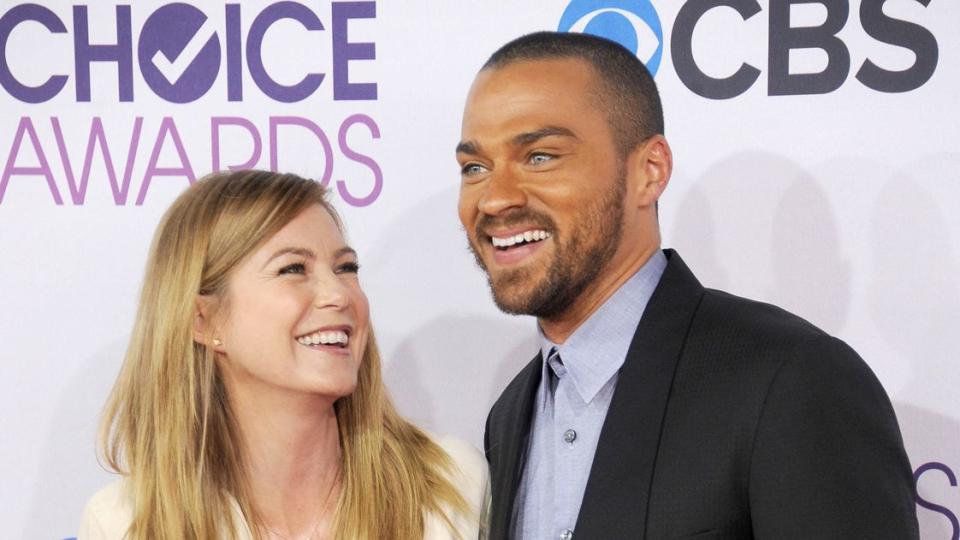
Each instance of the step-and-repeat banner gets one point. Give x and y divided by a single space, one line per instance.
816 142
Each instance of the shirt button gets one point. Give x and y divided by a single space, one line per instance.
566 535
569 436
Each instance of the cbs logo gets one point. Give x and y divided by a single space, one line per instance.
636 25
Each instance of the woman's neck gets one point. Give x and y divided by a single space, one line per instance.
292 461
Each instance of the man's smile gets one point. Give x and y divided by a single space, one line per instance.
516 246
504 242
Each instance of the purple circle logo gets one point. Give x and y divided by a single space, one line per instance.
179 53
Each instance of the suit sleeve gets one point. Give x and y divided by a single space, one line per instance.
486 437
828 460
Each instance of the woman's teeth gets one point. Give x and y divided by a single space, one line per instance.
325 338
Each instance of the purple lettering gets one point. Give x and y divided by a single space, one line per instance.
266 18
360 158
97 137
344 51
85 53
951 517
166 126
277 121
216 122
26 126
10 19
234 54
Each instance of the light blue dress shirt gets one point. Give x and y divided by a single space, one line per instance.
571 405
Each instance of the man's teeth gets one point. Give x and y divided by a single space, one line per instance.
528 236
324 338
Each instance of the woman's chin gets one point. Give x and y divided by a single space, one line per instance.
334 388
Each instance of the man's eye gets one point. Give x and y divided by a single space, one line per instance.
540 158
296 268
471 169
348 268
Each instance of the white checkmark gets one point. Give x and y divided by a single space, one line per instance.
173 69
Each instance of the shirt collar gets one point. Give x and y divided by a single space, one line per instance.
596 350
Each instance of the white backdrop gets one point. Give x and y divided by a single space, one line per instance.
839 204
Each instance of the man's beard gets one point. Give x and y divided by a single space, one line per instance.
577 260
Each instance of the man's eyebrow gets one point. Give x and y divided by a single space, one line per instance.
468 147
523 139
531 137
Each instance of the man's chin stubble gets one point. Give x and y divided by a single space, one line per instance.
508 293
513 293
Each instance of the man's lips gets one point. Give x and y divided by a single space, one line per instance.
510 239
512 246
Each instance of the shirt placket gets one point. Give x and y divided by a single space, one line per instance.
566 462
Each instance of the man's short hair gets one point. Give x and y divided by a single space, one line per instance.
627 91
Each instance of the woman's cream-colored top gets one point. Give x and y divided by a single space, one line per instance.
109 512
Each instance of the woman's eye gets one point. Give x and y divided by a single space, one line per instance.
296 268
348 268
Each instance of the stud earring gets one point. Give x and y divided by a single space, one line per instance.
217 342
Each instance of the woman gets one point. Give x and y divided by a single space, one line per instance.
250 403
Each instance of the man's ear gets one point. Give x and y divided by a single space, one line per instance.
649 167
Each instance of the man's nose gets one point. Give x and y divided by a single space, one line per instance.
502 192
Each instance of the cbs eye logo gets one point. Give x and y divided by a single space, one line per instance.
631 23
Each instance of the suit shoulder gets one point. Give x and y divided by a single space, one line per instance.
762 334
739 322
755 317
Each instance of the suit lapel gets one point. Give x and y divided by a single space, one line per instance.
509 454
618 489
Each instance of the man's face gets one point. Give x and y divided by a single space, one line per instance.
542 183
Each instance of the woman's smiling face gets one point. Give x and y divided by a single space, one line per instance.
295 318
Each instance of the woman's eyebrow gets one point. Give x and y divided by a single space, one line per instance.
303 252
345 250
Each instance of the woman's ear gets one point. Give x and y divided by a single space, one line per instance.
203 327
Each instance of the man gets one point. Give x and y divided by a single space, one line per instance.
656 408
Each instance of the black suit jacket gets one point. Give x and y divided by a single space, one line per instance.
731 419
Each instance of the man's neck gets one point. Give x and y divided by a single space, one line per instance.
560 327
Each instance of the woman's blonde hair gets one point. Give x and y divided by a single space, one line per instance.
168 423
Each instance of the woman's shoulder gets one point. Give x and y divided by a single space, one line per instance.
468 460
471 478
108 513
